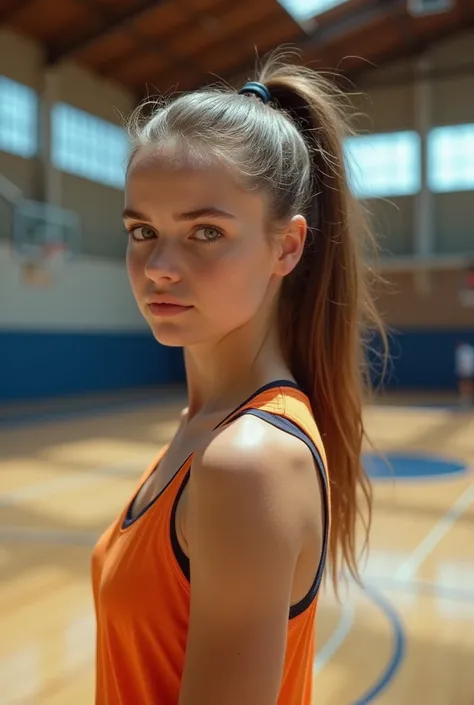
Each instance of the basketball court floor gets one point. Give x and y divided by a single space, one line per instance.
405 638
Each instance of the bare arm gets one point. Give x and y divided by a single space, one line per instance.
244 538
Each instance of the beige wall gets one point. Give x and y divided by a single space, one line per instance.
401 304
100 209
20 59
392 221
98 206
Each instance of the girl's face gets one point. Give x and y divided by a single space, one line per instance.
198 240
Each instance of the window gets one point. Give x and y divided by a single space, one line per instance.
87 146
384 165
451 158
18 118
302 10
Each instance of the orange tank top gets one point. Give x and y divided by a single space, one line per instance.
142 589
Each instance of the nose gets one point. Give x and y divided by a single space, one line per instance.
162 264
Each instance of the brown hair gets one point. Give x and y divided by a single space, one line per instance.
293 150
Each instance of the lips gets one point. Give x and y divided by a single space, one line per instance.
166 309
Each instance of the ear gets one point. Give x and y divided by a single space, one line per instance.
290 245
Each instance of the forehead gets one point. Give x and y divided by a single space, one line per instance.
164 180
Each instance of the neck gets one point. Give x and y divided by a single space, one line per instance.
221 374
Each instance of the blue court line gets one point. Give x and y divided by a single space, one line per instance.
425 587
398 652
423 467
422 479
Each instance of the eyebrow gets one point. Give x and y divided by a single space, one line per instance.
134 215
206 212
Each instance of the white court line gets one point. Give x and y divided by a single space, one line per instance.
410 567
406 572
337 638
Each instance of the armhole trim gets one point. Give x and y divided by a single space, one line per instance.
179 554
292 428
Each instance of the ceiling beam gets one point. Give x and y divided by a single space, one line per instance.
467 9
195 19
405 24
231 38
112 24
166 78
160 48
351 22
12 8
410 52
214 20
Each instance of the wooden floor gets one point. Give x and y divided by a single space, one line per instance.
407 638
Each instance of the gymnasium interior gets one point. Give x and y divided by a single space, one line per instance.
87 396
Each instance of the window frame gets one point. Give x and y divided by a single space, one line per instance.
442 176
20 137
79 146
408 184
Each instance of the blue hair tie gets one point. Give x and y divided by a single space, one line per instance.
257 89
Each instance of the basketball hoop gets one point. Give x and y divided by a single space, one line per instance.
38 267
44 238
54 255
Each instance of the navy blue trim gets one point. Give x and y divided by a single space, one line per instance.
129 518
293 429
181 557
283 424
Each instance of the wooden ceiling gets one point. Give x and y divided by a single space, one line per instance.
158 45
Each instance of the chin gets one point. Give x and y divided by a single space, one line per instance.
167 331
165 335
171 335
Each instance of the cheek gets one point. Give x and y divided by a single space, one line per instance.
238 281
135 267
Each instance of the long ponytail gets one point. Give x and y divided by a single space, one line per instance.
326 306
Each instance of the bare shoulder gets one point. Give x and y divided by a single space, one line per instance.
251 445
258 464
251 497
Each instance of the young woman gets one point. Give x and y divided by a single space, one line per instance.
245 249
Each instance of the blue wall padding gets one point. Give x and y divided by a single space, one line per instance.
40 364
421 358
